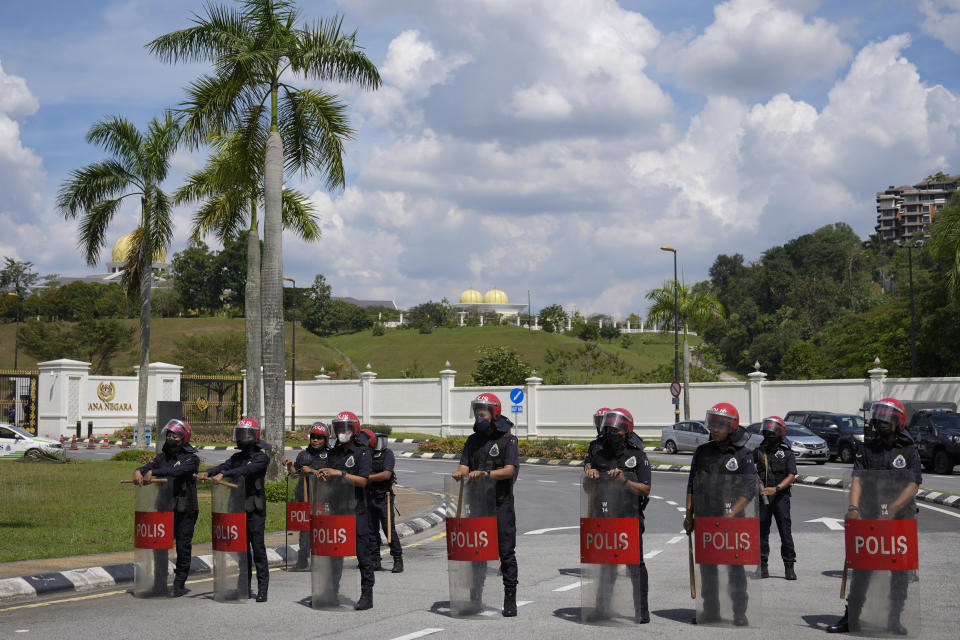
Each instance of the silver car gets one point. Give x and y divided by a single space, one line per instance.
684 436
805 444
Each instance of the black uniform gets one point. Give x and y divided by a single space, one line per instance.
636 468
355 459
772 468
251 465
379 506
707 470
179 468
484 452
315 460
903 460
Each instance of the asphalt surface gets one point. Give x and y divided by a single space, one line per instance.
414 604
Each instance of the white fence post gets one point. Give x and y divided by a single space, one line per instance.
877 378
533 383
60 395
447 382
756 395
366 395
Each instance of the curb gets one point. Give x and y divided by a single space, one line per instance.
454 456
31 587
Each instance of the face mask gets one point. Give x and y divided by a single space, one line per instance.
481 425
171 445
344 438
614 438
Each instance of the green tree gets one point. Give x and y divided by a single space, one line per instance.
431 314
552 317
945 245
257 50
315 306
93 341
609 332
803 362
216 354
18 276
499 366
196 280
137 166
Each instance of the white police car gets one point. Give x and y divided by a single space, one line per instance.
17 443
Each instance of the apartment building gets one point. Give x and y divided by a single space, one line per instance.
904 211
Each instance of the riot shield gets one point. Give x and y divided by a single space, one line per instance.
727 548
153 538
471 515
882 553
333 537
297 523
231 577
610 550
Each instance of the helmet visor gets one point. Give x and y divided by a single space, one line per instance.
615 420
887 415
177 429
772 427
381 442
481 409
344 426
721 422
245 434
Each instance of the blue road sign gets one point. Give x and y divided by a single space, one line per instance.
516 395
517 408
675 400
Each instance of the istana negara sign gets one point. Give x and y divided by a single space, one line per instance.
106 392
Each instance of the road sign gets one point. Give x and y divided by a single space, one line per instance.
517 408
675 388
675 400
516 395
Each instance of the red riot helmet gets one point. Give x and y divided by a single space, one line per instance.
887 417
346 425
618 418
320 429
774 425
598 418
247 431
724 415
177 427
486 401
367 437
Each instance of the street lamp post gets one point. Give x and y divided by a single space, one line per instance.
293 382
676 330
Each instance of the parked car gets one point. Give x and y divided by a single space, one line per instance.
937 434
684 436
842 431
17 443
805 444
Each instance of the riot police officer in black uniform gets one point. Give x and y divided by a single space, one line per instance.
633 439
309 461
251 464
178 462
620 460
380 500
350 459
885 447
712 460
777 469
492 451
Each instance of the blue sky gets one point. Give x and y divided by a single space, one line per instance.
549 145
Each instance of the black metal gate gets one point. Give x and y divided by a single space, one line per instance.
18 398
212 401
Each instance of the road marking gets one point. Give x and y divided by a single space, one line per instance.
418 634
537 532
569 587
671 503
653 553
675 539
548 481
919 504
834 524
656 497
681 509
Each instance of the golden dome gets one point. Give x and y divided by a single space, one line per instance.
471 296
121 249
495 296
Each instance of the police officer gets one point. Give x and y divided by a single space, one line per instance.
885 447
492 451
350 459
632 439
250 463
178 462
619 459
712 460
309 461
777 469
380 500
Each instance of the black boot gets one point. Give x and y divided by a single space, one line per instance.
740 620
397 564
365 602
764 571
894 626
262 595
846 624
509 602
788 571
377 566
179 589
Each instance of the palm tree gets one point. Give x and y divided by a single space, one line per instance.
258 50
695 308
945 244
230 187
138 165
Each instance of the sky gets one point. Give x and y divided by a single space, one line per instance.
542 145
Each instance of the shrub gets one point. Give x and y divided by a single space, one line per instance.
378 329
276 491
143 456
379 428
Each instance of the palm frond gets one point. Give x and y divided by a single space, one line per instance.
161 219
120 137
299 215
214 103
224 216
324 53
95 182
221 31
93 228
136 263
314 127
160 145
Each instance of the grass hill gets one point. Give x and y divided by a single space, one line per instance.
393 355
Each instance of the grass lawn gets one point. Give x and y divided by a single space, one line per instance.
55 510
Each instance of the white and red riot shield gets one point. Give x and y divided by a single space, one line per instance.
882 553
153 538
297 523
333 537
726 541
471 519
610 552
229 536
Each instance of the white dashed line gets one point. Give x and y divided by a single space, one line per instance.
418 634
681 509
675 539
671 503
653 553
569 587
656 497
548 481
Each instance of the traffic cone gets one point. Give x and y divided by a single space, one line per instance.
106 443
91 443
123 441
73 443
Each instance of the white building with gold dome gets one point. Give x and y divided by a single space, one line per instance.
118 258
493 301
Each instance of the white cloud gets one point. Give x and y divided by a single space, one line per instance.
16 101
756 48
941 19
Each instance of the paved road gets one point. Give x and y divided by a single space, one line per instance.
547 498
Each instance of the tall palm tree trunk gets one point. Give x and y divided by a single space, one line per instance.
253 322
272 301
143 376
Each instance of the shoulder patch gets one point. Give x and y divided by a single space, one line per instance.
732 464
899 462
350 462
631 462
780 454
494 450
323 454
